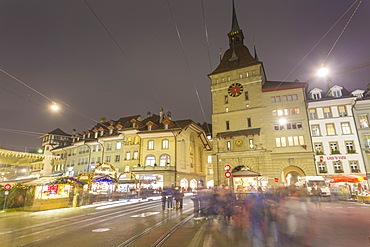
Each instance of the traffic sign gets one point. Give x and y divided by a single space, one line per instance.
227 168
7 187
227 174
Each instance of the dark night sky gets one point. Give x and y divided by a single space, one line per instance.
60 49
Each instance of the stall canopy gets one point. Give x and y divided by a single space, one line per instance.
348 178
246 173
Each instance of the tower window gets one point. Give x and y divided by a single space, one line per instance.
227 125
249 122
246 95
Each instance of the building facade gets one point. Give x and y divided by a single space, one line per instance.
258 124
158 151
334 132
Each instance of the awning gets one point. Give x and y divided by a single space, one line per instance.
246 173
348 178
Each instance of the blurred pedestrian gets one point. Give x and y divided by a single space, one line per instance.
316 195
164 199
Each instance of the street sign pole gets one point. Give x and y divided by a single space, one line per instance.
6 196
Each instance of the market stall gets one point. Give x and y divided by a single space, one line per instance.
49 194
351 186
246 181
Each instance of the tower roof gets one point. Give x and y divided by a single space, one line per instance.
238 55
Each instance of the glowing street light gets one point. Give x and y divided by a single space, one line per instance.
282 121
54 106
323 72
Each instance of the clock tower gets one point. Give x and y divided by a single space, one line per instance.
243 124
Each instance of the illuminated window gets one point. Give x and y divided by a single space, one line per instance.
280 112
274 113
136 155
150 144
312 113
330 129
283 141
228 145
227 109
118 145
315 130
165 144
364 122
209 159
150 160
345 128
278 142
128 155
290 141
164 160
226 99
327 112
342 111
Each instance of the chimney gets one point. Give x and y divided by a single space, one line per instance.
160 115
148 114
73 132
103 120
169 115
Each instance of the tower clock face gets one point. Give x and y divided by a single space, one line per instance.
235 89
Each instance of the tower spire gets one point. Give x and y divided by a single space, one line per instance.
255 50
236 36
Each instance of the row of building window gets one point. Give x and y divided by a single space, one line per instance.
241 76
327 112
283 98
165 144
164 160
289 141
290 111
334 148
338 167
288 126
330 129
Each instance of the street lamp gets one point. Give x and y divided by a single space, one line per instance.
54 106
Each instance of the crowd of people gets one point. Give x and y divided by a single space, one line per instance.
277 216
171 194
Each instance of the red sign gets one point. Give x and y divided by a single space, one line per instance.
52 189
7 187
276 179
227 174
227 168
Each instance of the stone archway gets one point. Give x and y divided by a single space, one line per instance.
291 174
184 183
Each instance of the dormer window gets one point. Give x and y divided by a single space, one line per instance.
316 96
134 125
88 135
149 127
83 136
337 93
111 131
101 132
166 126
96 134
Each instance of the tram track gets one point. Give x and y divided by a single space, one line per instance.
83 221
78 217
161 239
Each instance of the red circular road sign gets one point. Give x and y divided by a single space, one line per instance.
227 174
227 167
7 187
